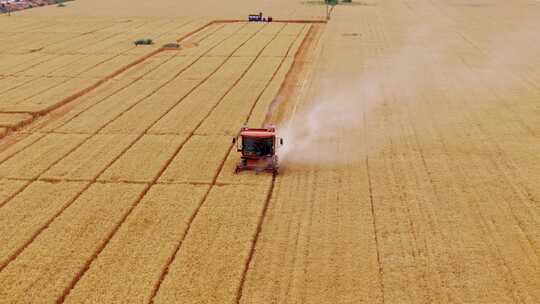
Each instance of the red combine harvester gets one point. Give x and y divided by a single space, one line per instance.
258 148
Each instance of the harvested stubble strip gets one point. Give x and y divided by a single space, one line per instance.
317 237
129 268
270 94
31 162
503 222
143 161
421 211
90 158
296 45
25 214
467 241
208 267
53 259
206 152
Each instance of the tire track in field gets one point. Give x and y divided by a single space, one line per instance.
490 224
529 83
127 86
411 219
14 256
503 165
495 263
164 167
372 207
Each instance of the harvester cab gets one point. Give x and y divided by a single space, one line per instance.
258 149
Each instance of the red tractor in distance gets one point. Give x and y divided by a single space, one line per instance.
258 147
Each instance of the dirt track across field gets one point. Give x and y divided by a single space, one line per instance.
409 174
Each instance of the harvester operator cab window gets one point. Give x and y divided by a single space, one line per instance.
258 146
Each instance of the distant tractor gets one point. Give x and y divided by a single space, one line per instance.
259 18
258 149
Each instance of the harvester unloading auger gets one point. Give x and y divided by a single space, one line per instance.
258 148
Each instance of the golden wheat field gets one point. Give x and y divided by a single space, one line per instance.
410 171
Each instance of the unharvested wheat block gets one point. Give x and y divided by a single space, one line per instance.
143 161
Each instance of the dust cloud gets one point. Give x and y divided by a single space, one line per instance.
329 129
